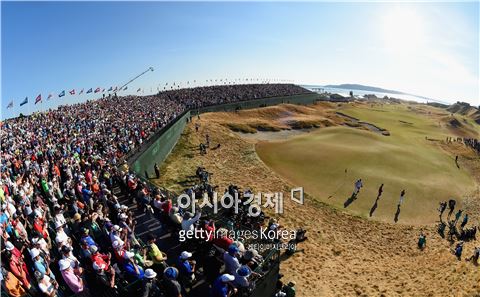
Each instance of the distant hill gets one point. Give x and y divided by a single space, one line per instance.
365 88
465 109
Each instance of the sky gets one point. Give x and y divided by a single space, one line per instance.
427 49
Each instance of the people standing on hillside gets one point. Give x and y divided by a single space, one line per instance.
197 126
465 221
451 207
358 186
475 256
458 250
441 208
422 241
458 215
157 170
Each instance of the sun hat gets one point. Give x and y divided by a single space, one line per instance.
244 271
9 246
117 228
227 278
77 217
170 272
123 216
185 255
149 273
34 253
58 225
63 264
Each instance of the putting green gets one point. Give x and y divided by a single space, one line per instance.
405 160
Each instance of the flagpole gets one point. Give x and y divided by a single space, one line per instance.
149 69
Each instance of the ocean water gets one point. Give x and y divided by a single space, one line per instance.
361 93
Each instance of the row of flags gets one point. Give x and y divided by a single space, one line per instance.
72 92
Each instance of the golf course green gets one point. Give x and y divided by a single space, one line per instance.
328 161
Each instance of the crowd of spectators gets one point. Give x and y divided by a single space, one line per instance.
472 143
64 231
206 96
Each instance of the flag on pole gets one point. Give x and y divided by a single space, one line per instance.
38 99
110 89
62 93
49 96
10 105
89 91
81 92
25 101
72 92
97 90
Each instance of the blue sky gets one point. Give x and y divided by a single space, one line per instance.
430 49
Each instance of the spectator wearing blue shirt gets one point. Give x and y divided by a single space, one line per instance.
87 195
86 238
222 287
230 259
40 264
131 268
4 221
186 268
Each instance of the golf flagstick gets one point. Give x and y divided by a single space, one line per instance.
341 185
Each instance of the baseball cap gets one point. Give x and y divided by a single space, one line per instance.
227 278
185 255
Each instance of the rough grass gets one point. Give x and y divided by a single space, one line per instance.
239 127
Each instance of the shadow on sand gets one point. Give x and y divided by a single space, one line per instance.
374 207
350 200
397 214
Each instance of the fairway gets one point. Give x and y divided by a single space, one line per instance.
405 160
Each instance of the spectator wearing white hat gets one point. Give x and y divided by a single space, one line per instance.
104 281
186 267
116 234
17 266
223 287
72 277
150 286
62 238
40 264
132 270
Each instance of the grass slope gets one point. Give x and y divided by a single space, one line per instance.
404 160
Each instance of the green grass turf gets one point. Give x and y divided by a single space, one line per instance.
404 160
